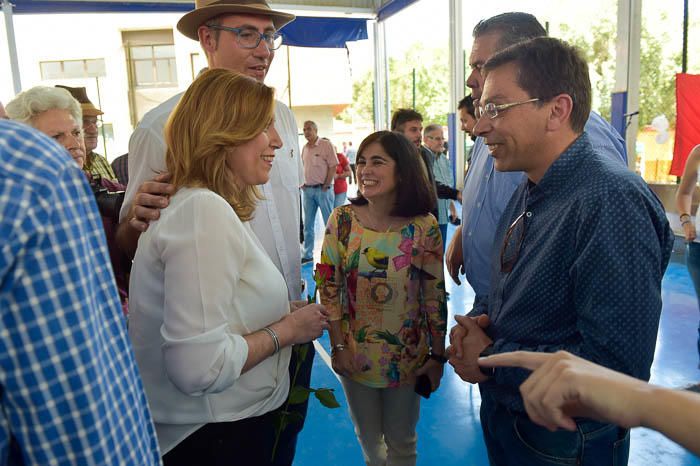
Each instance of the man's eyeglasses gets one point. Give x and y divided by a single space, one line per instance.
512 242
249 38
92 121
435 138
491 110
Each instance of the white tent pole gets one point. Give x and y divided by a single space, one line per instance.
457 77
629 25
387 88
381 86
11 45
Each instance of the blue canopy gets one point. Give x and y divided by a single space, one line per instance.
305 31
68 6
308 31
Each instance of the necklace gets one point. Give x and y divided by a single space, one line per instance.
376 224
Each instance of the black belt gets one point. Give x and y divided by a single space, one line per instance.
313 185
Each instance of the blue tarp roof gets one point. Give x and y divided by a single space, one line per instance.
308 31
305 31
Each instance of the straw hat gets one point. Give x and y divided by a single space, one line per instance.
80 94
206 9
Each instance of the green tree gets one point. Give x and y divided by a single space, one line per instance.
657 84
657 81
431 93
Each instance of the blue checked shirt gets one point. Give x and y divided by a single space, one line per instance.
71 392
487 191
588 273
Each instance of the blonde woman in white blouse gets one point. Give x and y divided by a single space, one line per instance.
210 321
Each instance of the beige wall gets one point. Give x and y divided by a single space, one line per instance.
322 115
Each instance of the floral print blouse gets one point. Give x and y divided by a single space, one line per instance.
388 291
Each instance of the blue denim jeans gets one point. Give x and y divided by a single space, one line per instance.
314 199
513 440
692 260
340 199
443 232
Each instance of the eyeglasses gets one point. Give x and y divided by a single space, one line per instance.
250 38
435 138
92 121
513 241
491 110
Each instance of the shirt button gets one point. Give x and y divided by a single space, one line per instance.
528 215
469 234
478 204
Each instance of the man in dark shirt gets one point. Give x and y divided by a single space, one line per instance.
578 257
410 123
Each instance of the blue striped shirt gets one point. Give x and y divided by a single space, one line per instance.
71 392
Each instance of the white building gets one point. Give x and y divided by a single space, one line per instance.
130 62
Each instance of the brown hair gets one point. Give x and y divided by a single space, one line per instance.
403 116
220 110
548 67
414 193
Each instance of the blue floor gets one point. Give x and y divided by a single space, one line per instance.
449 432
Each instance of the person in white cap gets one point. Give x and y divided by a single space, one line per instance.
242 36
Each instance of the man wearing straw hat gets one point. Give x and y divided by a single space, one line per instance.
239 35
95 164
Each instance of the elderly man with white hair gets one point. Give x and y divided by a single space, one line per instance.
54 112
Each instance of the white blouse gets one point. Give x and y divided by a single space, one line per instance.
276 217
200 280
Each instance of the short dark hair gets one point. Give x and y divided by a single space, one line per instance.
548 67
513 27
467 103
414 194
403 116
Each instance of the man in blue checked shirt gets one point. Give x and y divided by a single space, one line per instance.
577 261
71 393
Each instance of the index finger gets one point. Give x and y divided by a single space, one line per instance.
163 177
525 359
466 321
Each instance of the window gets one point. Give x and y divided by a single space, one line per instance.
67 69
154 65
151 67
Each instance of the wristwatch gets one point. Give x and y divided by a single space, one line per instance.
487 371
336 348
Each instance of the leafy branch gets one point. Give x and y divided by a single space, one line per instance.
299 394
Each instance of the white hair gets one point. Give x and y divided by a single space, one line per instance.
29 104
